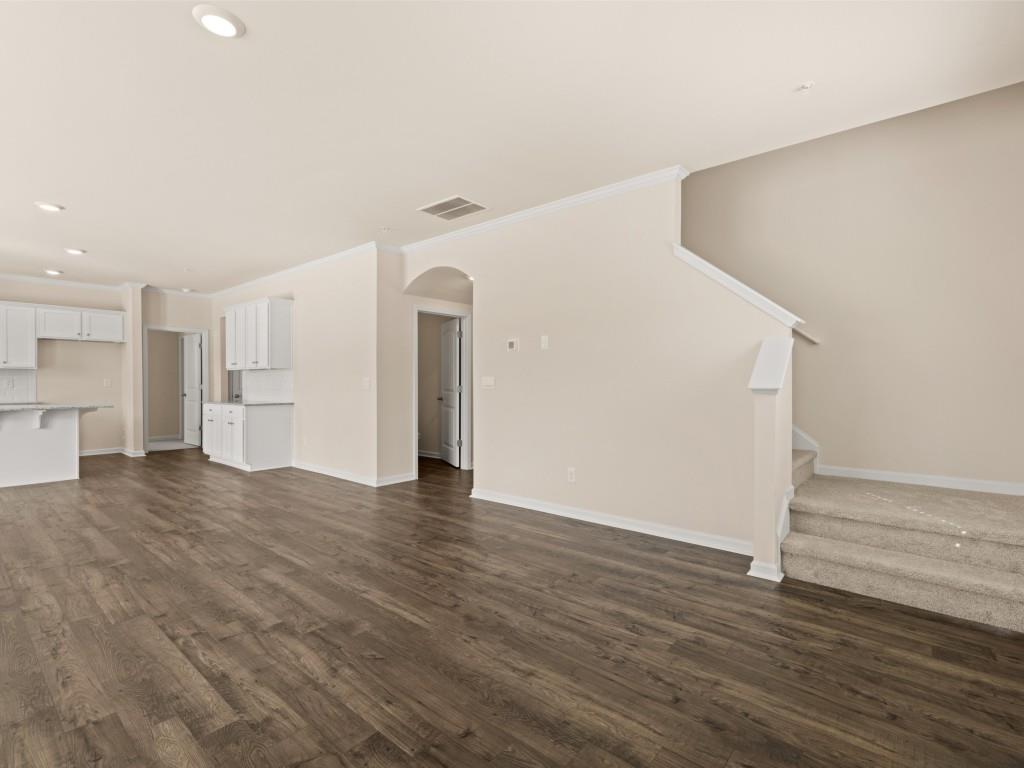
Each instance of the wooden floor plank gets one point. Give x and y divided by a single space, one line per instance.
167 611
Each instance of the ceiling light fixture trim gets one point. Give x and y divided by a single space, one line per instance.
218 22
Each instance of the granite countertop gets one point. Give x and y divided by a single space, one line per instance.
13 407
248 402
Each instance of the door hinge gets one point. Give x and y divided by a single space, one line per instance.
460 334
460 443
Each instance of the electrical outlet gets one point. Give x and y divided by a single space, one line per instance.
544 342
512 345
106 383
572 474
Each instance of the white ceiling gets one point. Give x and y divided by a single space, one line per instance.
189 160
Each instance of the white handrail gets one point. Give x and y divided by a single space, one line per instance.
769 374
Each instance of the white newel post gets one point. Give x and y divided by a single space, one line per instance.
770 385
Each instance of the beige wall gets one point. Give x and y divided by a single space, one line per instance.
900 245
429 384
644 387
164 395
78 371
334 360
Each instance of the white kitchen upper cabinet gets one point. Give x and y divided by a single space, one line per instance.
101 325
58 323
17 336
258 335
234 338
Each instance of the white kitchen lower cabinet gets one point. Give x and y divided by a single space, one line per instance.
251 436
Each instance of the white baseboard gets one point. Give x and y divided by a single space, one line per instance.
430 454
341 474
936 481
232 464
393 479
133 454
614 521
804 442
768 571
100 451
165 438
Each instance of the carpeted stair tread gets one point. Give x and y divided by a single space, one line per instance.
958 576
968 514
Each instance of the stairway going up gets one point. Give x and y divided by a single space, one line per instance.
959 553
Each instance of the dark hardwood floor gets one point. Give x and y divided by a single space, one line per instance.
170 612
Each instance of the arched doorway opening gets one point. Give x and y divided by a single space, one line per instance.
442 425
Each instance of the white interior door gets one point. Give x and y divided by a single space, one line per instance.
450 390
192 386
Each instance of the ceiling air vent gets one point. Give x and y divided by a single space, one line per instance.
452 208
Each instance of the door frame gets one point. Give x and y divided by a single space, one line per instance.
204 377
465 377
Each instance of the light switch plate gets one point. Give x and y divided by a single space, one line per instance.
544 342
512 345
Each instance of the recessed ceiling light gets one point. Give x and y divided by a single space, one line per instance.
186 290
805 86
470 278
54 272
49 207
75 251
217 21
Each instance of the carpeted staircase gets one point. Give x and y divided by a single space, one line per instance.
954 552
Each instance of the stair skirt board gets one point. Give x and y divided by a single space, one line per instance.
939 598
951 548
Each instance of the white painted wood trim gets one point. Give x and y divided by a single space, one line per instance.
674 174
784 515
230 463
57 281
177 292
348 252
133 454
804 442
809 337
100 451
742 290
767 571
339 474
430 454
710 540
204 375
935 481
394 479
771 366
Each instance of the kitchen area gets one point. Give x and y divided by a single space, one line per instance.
40 440
252 429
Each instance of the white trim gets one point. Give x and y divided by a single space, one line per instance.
783 529
340 474
614 521
133 454
58 281
430 454
771 366
675 173
466 374
767 571
230 463
100 451
808 336
167 438
393 479
742 290
935 481
355 250
804 442
177 292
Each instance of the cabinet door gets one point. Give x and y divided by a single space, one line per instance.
251 337
102 326
234 338
212 427
233 447
17 337
54 323
262 357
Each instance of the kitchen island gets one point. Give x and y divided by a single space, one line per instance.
39 442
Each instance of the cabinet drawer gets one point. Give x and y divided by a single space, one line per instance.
234 412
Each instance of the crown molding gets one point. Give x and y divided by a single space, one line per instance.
354 251
673 174
742 290
178 293
57 281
